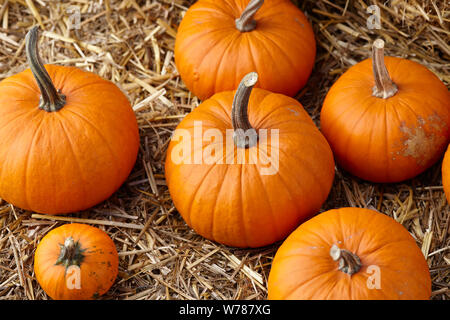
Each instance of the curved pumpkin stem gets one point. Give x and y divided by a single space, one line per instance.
384 86
71 253
244 134
50 100
349 262
246 22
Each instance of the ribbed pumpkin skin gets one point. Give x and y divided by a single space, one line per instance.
387 140
236 205
98 270
212 55
304 270
69 160
446 174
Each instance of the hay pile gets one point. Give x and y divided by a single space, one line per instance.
131 43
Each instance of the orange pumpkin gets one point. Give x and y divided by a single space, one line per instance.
349 254
76 262
68 139
387 119
219 41
244 170
446 174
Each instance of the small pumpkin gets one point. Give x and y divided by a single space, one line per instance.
349 254
218 42
446 174
247 166
68 138
76 262
387 119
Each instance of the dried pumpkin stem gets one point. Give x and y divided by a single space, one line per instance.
244 134
384 86
51 100
245 22
71 253
349 262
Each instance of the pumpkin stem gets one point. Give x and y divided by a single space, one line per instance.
244 134
348 262
51 100
384 86
70 254
246 22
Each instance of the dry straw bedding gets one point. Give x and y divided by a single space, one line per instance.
131 43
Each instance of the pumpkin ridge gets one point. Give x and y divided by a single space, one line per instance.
252 58
215 204
305 282
303 122
54 70
223 47
336 282
255 35
96 82
280 40
271 31
245 231
306 164
214 13
364 75
226 110
354 106
27 161
276 47
225 122
260 122
405 104
191 202
193 38
383 246
19 84
234 37
386 135
2 167
358 122
390 60
235 9
426 105
289 193
13 117
99 133
75 157
216 8
266 196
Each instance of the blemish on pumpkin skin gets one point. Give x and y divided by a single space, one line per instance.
295 112
299 22
196 75
419 143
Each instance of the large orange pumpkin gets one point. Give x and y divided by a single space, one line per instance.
446 174
387 119
349 254
68 139
76 262
285 178
219 41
